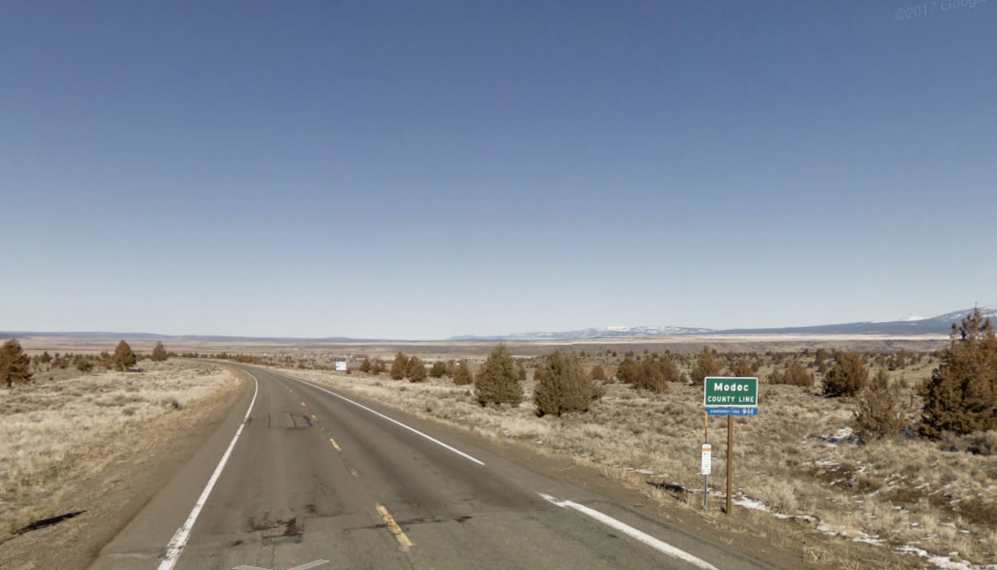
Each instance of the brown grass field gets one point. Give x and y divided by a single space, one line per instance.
66 427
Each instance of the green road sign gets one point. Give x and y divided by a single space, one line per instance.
730 392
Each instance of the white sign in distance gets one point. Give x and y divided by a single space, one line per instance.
707 465
340 366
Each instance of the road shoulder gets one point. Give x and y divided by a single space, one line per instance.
108 499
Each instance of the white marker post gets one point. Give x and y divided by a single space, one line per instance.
705 468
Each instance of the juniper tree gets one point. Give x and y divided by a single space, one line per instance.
416 370
798 375
878 415
628 371
961 395
398 367
669 370
124 359
462 373
365 366
598 373
14 364
741 367
84 365
706 365
159 353
438 369
562 386
498 382
650 376
847 376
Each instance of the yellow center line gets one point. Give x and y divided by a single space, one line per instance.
334 444
314 417
393 527
354 473
304 405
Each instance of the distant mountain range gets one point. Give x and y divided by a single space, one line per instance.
938 325
599 332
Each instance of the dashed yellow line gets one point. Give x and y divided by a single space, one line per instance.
304 405
314 417
336 445
354 473
393 527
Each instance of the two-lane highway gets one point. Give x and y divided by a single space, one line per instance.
300 473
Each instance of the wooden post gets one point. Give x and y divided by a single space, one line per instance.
730 462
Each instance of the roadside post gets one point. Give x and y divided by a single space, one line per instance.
729 396
704 468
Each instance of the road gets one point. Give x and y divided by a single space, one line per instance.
300 474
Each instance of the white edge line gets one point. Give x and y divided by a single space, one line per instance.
176 545
394 421
630 531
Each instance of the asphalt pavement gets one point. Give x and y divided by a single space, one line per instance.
300 474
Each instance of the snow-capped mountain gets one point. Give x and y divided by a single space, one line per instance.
940 325
957 316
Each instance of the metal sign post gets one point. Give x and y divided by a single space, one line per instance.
724 396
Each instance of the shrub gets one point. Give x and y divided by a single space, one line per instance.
961 395
159 353
798 375
706 365
365 366
438 370
847 377
669 370
416 370
742 367
650 377
399 366
777 377
878 415
497 382
124 359
628 371
599 373
84 365
562 386
462 374
14 363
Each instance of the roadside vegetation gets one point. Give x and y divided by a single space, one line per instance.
897 449
75 415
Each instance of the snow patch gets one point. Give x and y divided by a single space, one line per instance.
946 562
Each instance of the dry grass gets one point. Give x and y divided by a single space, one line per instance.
52 431
796 459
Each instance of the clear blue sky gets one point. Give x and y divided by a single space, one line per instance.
424 169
